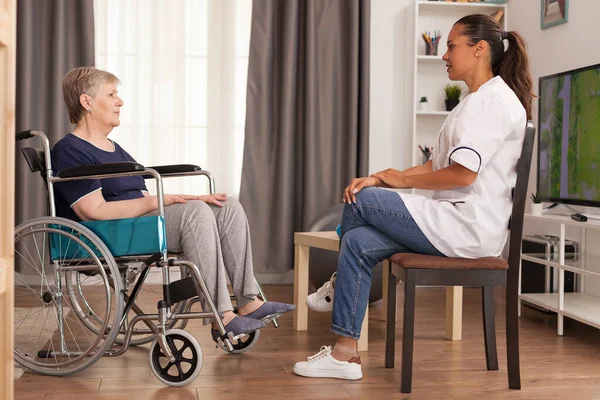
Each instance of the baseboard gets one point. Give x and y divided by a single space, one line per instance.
276 278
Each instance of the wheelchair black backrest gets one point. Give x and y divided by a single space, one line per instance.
36 160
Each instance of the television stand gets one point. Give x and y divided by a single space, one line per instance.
583 305
570 209
593 216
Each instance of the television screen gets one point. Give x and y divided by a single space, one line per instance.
569 137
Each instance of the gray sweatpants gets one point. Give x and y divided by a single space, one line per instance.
217 240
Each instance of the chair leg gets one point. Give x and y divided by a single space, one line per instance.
489 328
390 332
408 331
512 337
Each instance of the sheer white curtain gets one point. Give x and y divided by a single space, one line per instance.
183 68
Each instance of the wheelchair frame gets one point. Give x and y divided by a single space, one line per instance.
166 317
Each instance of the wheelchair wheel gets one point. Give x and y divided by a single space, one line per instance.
50 337
188 358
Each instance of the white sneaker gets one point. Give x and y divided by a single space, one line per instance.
322 299
323 365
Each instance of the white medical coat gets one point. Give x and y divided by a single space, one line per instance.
484 133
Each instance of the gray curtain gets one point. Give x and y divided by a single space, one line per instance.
53 36
307 117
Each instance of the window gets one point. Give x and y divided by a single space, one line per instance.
183 70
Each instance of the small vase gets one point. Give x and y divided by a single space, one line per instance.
451 103
536 209
423 106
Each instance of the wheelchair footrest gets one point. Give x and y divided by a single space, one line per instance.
271 317
182 289
228 336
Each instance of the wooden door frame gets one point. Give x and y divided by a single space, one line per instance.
8 18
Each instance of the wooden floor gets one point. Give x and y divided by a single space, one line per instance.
552 367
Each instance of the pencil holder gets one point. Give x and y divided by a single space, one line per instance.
431 48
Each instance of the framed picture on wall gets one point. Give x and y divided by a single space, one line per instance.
554 12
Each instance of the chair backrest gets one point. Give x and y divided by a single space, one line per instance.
519 199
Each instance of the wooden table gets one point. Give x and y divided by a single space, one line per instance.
329 240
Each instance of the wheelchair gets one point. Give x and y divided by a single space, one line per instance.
80 304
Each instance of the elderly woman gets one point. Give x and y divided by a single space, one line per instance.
211 230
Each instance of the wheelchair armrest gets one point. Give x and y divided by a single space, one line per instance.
183 170
101 169
173 170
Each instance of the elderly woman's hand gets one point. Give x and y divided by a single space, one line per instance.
173 199
215 199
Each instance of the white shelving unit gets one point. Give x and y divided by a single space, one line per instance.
583 306
430 74
442 113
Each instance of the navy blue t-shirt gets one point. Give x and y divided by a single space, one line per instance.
72 151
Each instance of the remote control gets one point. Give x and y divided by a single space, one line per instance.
579 217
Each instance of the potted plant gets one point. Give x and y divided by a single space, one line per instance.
452 93
536 207
423 104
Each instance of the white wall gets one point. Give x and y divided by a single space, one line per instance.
392 44
561 47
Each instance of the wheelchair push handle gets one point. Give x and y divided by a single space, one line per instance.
31 133
24 135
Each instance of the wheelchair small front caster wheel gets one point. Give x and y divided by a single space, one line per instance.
188 358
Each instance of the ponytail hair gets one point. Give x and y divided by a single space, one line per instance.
512 65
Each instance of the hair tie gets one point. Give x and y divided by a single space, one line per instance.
504 35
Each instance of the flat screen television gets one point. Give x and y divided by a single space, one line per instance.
569 137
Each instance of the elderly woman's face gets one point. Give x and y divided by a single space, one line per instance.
106 105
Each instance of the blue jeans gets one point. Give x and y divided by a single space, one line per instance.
373 229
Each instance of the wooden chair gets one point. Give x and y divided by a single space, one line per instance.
416 269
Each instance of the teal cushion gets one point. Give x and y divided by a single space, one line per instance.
123 237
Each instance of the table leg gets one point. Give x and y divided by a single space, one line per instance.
300 322
454 295
363 342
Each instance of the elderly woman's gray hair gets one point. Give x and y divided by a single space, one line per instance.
79 81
